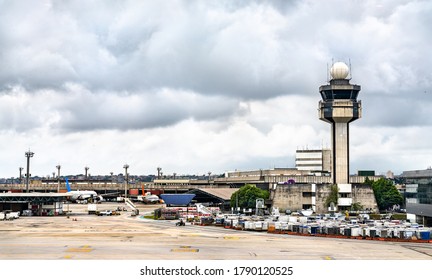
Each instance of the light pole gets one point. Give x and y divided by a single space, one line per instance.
20 176
85 176
209 173
126 166
159 169
58 177
28 156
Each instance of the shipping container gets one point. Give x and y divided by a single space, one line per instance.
133 192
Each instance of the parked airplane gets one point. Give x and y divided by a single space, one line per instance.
83 196
149 198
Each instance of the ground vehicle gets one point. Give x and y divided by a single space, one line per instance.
11 215
92 208
104 213
180 223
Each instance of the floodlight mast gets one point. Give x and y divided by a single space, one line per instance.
126 166
58 177
159 169
28 155
20 174
86 171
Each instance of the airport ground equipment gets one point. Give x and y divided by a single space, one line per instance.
203 210
92 208
105 213
11 215
132 206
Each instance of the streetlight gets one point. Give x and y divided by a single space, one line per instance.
126 166
58 177
28 156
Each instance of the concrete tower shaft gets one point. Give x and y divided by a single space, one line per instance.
339 106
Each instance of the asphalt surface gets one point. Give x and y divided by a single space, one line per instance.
91 237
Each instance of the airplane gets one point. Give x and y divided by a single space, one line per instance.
83 196
149 198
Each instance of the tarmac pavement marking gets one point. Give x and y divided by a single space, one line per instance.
185 249
328 258
82 249
233 237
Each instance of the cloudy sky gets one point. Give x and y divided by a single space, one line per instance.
198 86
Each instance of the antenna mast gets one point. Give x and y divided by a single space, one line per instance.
350 71
328 73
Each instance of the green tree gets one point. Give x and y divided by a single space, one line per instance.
333 196
368 181
386 194
357 206
247 195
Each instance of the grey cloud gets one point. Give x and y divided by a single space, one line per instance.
77 109
397 111
238 49
130 47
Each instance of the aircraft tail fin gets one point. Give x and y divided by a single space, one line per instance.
67 185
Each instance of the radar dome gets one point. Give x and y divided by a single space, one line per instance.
339 71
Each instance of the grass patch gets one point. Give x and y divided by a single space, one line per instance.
399 216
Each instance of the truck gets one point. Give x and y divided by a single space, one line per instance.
92 208
12 215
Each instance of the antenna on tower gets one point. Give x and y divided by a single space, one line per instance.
332 63
350 71
328 79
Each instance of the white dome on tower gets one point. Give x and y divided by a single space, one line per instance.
339 71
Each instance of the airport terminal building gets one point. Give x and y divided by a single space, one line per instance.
418 194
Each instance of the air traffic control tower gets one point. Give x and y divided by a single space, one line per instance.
339 106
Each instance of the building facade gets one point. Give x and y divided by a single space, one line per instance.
314 160
418 194
296 197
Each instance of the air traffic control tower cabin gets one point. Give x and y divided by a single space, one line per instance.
339 106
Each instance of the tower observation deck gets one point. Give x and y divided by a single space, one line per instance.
339 106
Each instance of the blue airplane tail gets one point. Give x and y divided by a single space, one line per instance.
67 185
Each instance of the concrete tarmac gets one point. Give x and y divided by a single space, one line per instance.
90 237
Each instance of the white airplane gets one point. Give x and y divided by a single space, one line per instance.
149 198
82 196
